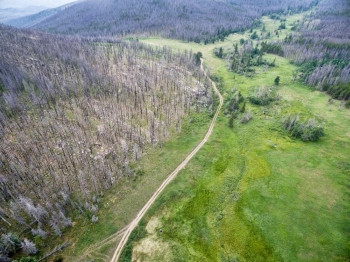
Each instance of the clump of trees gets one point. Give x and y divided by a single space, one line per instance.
219 52
340 91
244 59
235 105
11 244
272 48
309 130
263 95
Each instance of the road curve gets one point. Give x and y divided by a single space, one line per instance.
166 182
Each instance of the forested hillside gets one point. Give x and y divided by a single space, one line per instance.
322 48
192 20
318 44
74 114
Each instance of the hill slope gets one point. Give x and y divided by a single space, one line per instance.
33 19
184 19
75 114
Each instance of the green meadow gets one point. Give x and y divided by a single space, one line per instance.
253 193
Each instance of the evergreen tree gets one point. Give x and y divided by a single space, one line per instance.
198 57
277 80
230 121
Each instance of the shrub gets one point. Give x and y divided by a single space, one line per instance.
272 48
310 130
340 91
219 52
9 244
94 219
254 35
233 102
277 80
282 26
230 121
28 247
262 96
58 259
347 104
198 57
246 117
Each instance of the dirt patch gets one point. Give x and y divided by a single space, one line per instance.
151 249
152 225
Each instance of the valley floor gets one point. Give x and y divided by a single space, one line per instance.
251 193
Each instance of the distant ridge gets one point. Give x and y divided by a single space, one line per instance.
34 19
7 14
190 20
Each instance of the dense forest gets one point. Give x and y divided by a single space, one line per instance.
190 20
322 48
74 115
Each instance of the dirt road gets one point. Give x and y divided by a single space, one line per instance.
166 182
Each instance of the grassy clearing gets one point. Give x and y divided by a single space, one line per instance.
253 193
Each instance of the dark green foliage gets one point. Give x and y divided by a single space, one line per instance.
58 259
347 104
2 89
277 80
241 41
28 259
236 49
310 130
254 35
231 120
340 91
219 52
272 48
233 102
308 68
242 110
198 57
242 62
282 26
274 16
234 105
9 244
262 96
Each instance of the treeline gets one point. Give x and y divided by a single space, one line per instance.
74 114
322 46
191 20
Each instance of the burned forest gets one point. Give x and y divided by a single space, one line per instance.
75 113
